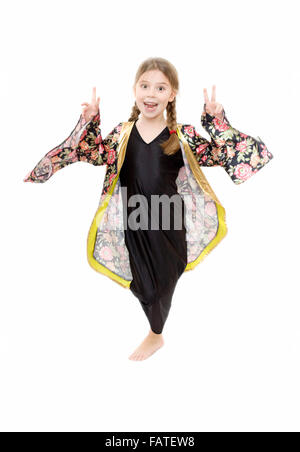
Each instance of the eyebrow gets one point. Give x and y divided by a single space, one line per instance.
159 83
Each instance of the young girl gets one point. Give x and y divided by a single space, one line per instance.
151 158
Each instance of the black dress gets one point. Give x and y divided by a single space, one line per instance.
157 251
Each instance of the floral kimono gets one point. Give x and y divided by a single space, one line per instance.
238 153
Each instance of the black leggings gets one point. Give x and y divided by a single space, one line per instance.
157 260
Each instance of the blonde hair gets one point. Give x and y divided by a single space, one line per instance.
172 145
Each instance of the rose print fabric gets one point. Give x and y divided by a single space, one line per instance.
84 144
239 154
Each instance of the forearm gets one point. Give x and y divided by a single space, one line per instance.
81 145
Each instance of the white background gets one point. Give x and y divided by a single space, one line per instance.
232 339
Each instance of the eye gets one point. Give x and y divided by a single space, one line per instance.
162 87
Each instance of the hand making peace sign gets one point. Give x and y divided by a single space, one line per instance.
91 109
211 106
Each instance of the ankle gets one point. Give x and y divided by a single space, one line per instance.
151 333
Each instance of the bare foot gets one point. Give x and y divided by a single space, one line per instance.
149 345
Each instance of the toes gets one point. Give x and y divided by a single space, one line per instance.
134 356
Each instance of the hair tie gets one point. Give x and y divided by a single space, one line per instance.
172 131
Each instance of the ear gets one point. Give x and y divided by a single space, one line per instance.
173 96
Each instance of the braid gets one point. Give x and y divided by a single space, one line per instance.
171 115
172 145
134 113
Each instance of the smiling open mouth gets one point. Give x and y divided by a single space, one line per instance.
150 107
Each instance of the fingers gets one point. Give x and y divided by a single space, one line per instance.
219 108
206 99
213 96
94 95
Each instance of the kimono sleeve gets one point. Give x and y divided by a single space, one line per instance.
84 144
238 153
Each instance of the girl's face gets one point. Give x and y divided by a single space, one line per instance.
153 87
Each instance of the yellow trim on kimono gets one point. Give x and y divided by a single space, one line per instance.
99 214
204 185
92 239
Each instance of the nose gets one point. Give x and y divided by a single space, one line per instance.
152 91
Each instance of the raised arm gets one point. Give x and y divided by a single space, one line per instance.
238 153
84 144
